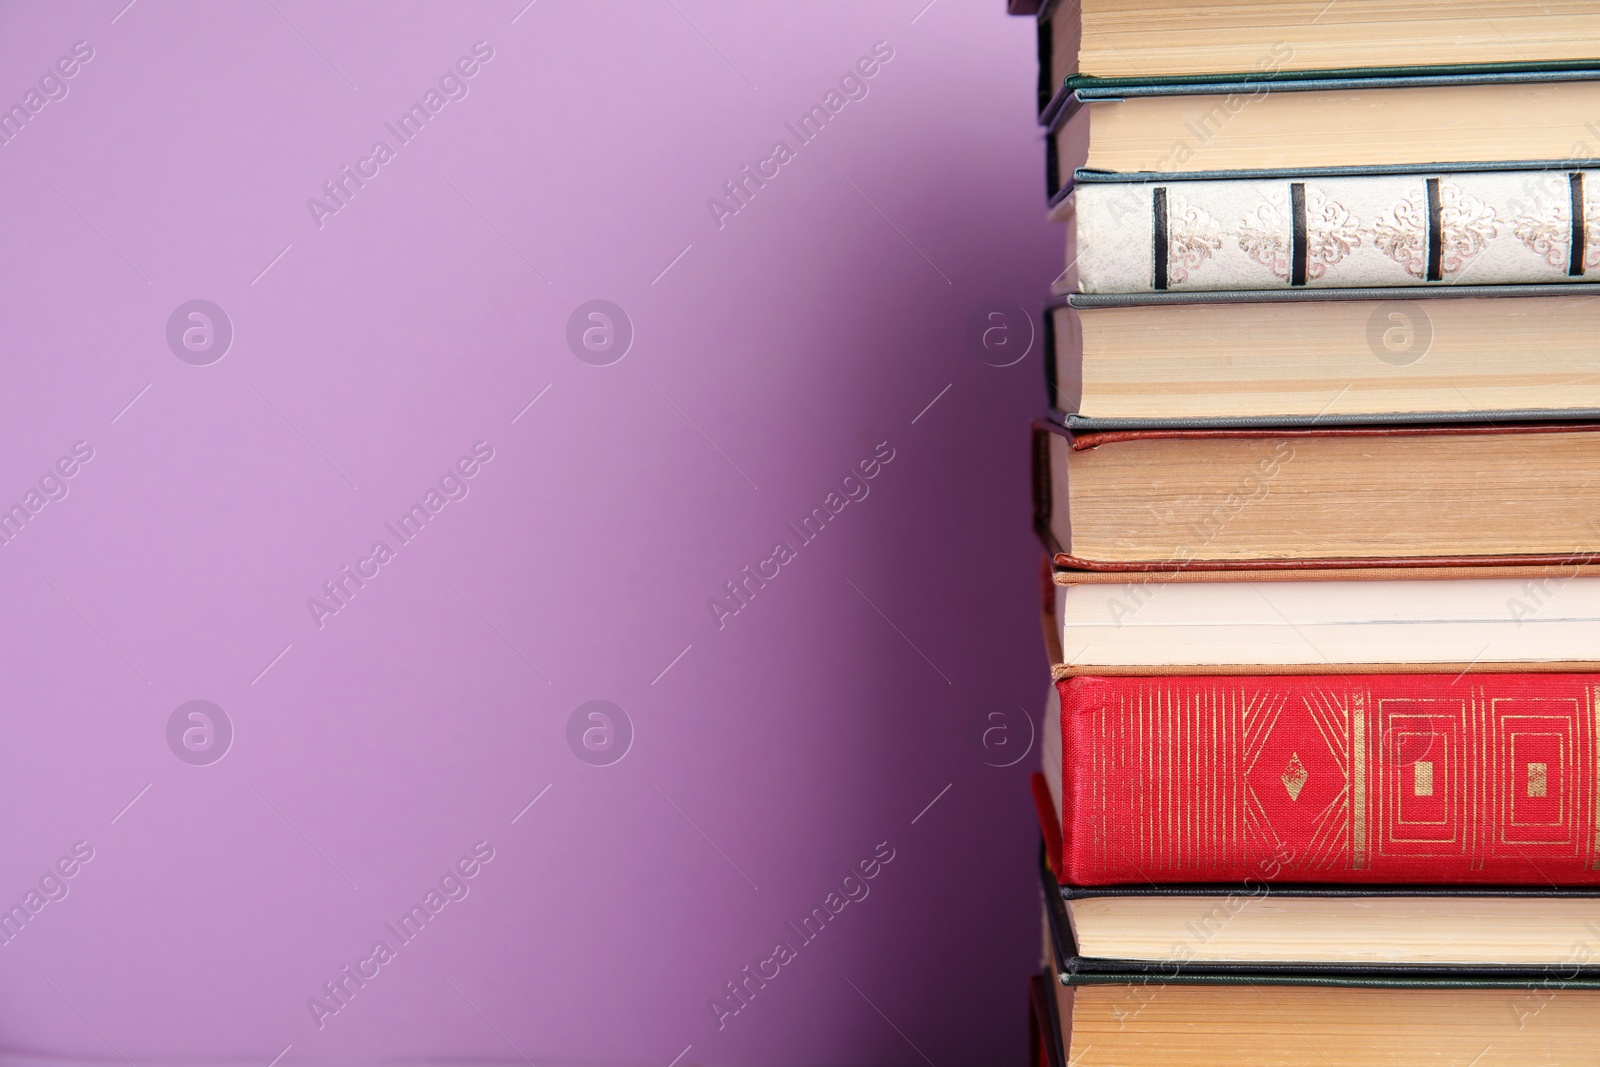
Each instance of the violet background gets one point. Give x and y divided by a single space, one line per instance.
820 721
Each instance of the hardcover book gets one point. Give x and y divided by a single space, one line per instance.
1320 126
1044 1023
1262 933
1099 41
1323 356
1400 779
1321 620
1471 493
1480 228
1178 1012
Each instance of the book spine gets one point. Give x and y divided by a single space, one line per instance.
1487 779
1370 231
1045 40
1039 476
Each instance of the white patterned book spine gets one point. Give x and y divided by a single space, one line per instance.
1475 228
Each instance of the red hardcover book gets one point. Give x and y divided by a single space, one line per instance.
1482 779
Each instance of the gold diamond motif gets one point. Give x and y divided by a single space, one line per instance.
1295 776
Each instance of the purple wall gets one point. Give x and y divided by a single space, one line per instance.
377 739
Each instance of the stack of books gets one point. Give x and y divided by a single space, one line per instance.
1320 486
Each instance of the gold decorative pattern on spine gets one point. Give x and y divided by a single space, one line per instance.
1358 781
1295 777
1594 706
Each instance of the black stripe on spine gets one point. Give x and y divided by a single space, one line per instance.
1435 233
1579 224
1050 358
1297 235
1159 207
1047 86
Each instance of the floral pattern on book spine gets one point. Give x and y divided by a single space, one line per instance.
1264 236
1591 233
1192 235
1402 234
1546 230
1331 232
1370 230
1466 225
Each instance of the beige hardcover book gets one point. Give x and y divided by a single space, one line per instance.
1249 1025
1328 360
1141 40
1282 126
1474 494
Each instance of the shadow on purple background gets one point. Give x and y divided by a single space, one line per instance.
373 347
